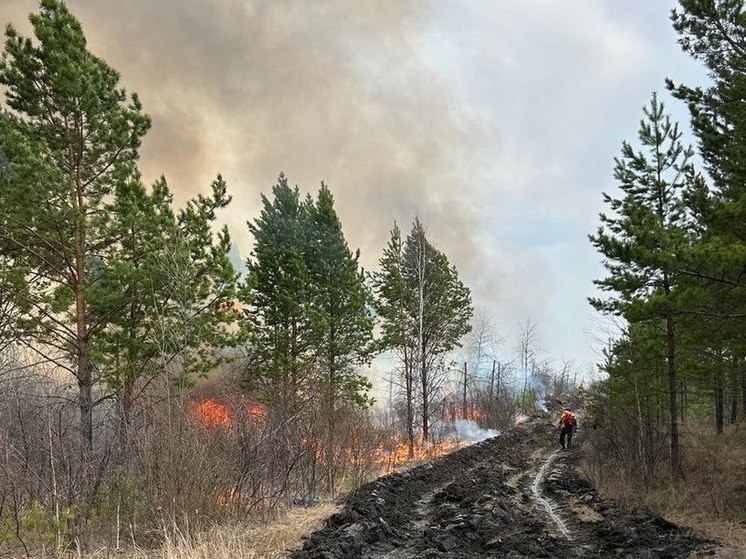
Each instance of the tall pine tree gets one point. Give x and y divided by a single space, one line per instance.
421 291
308 305
70 135
341 303
646 238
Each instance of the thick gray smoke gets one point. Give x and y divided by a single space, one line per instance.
333 90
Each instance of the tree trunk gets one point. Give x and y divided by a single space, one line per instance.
497 391
464 403
719 403
734 392
641 433
127 401
425 397
492 382
409 388
83 372
743 392
672 396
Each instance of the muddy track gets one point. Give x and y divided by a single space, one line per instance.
514 496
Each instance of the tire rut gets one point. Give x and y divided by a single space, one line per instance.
549 505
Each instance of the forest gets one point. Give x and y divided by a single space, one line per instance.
150 387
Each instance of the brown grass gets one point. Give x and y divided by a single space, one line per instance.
269 541
712 498
250 540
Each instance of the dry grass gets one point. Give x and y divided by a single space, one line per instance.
712 498
269 540
731 535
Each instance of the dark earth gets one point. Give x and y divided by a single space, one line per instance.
486 501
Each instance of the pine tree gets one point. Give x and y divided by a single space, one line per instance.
278 294
714 32
396 324
341 304
441 309
425 311
309 307
70 136
646 238
166 292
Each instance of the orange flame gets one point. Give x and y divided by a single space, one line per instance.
400 455
212 413
454 410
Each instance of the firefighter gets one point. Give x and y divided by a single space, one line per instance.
567 424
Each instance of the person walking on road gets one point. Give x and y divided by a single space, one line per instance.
567 425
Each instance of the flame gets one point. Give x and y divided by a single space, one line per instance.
400 454
454 410
213 413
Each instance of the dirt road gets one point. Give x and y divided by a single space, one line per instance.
514 496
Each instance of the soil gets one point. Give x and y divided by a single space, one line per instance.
513 496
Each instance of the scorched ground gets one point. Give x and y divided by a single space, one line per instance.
514 496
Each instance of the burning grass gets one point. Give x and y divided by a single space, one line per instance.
401 455
390 456
210 412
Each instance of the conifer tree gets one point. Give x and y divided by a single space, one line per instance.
83 244
341 303
714 32
436 307
70 135
309 307
166 292
279 297
646 238
396 323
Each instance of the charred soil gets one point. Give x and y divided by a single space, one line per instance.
513 496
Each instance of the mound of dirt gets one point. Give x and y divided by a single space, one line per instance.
513 496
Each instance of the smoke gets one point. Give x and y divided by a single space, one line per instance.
335 90
468 430
369 96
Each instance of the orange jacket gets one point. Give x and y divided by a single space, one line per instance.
567 419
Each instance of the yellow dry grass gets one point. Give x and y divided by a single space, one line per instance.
730 535
269 540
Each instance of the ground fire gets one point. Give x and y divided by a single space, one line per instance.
212 413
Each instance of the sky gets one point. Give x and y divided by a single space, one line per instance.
495 123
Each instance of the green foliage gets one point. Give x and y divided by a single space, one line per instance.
309 309
341 301
37 526
714 32
424 310
69 136
105 280
170 290
646 237
528 399
419 292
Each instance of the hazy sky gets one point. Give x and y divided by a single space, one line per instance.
495 122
